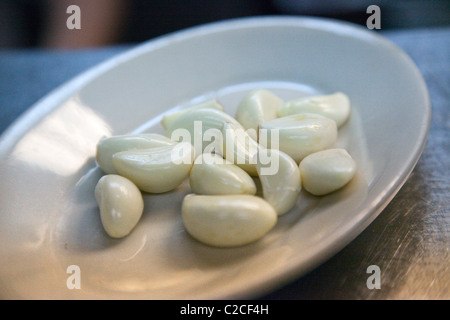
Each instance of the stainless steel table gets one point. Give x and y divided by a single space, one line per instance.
409 241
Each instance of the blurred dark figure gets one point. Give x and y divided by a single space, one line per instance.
25 23
30 23
42 23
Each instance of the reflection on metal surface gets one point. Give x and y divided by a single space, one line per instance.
63 141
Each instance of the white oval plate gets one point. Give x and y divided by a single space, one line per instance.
49 219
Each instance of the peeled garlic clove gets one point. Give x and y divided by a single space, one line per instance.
121 204
201 127
227 220
156 170
213 175
257 107
239 148
106 147
280 179
327 171
168 119
334 106
300 134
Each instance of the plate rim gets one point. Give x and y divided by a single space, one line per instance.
53 99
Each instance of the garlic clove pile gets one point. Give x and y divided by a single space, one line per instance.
108 146
300 134
121 204
335 106
280 179
213 175
227 220
327 171
156 170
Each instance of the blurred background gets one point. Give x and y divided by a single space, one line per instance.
42 23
